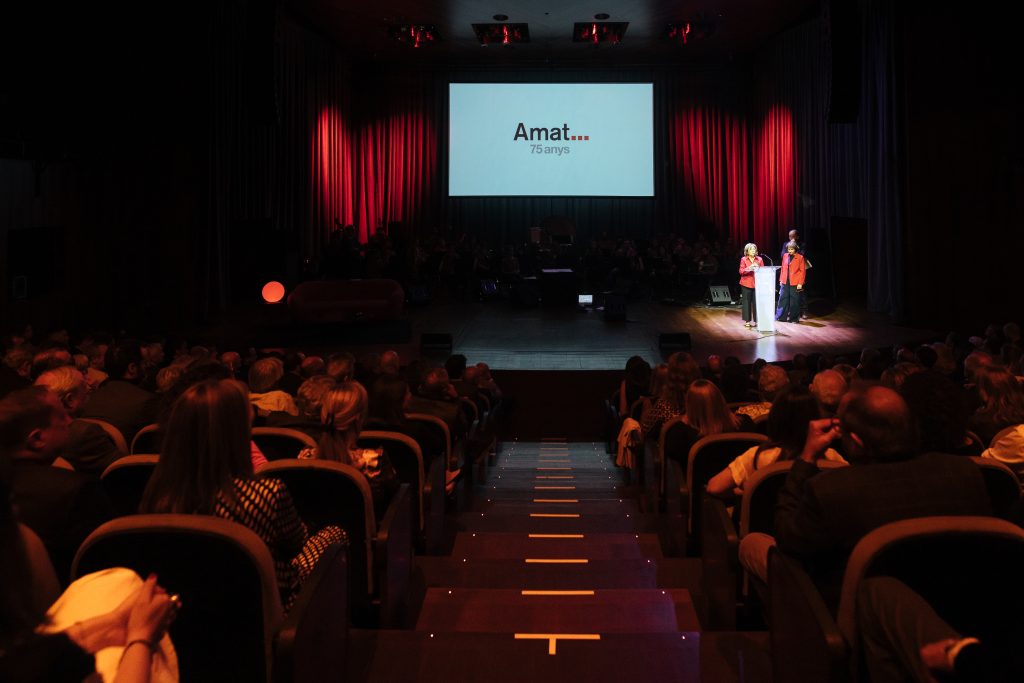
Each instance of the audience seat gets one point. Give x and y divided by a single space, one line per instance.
281 443
721 572
125 480
967 568
381 556
427 488
113 432
231 626
147 440
684 491
1002 484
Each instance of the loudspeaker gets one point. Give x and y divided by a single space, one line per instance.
670 342
436 343
843 34
718 294
614 307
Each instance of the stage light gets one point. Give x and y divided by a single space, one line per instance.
596 32
273 292
698 28
416 35
503 34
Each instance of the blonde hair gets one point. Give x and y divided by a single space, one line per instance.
749 246
342 413
65 382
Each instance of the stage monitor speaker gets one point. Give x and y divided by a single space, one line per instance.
718 295
436 343
614 307
670 342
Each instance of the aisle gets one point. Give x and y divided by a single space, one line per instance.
555 574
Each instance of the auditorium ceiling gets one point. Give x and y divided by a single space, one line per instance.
719 29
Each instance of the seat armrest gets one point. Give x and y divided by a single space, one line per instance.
806 644
392 557
312 644
434 498
719 564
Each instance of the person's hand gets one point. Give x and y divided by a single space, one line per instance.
799 287
820 433
151 612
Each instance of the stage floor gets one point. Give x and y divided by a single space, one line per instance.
566 338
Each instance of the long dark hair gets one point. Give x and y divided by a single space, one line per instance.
205 447
790 414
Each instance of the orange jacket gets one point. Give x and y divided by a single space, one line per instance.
747 271
793 270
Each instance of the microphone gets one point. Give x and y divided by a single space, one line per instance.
768 257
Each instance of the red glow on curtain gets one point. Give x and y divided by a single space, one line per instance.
710 151
333 187
774 176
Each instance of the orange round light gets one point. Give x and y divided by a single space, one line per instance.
273 292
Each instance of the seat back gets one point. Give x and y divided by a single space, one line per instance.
709 456
280 443
761 493
1002 484
441 427
327 493
147 440
223 572
965 567
113 432
125 480
405 455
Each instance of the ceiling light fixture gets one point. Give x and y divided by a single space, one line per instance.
415 35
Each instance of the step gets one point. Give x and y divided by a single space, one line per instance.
500 658
554 521
556 490
558 501
516 546
574 611
580 573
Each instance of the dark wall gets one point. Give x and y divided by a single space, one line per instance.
965 168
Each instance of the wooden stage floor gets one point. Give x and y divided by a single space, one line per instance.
566 338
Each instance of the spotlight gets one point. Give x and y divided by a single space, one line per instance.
501 34
596 32
273 292
416 35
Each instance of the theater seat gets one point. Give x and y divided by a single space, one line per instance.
231 626
147 440
280 443
125 480
328 493
113 432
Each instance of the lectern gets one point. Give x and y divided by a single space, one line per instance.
764 297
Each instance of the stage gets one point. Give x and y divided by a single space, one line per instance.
568 338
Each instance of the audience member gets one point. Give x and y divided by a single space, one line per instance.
1000 421
793 410
292 377
706 414
871 365
341 366
120 401
636 381
939 409
208 433
343 414
388 402
312 366
821 514
48 360
849 373
671 401
770 382
89 449
264 385
894 376
437 397
232 360
61 506
828 386
309 402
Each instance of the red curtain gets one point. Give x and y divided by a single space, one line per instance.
333 187
709 149
774 176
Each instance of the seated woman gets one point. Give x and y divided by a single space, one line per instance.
999 422
706 413
30 648
791 413
671 399
205 468
388 399
343 414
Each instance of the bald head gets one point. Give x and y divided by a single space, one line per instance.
828 387
876 425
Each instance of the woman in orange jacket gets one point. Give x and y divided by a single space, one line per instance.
791 284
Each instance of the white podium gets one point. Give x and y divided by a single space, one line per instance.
764 297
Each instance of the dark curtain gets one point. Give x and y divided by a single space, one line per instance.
838 169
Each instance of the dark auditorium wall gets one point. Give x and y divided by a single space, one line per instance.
965 167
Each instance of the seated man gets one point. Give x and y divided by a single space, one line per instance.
828 386
61 506
264 388
821 514
89 449
120 400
